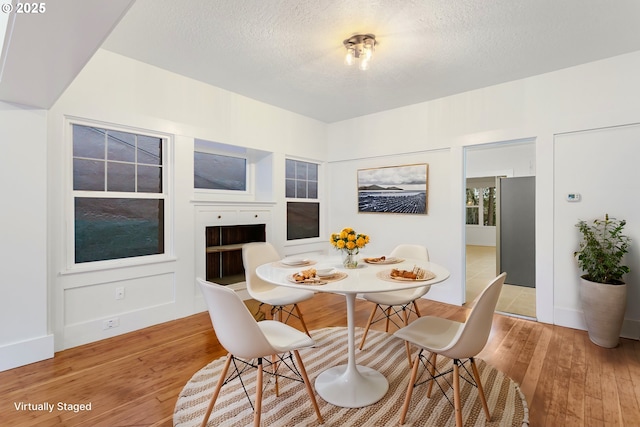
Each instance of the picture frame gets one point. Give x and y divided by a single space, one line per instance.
394 189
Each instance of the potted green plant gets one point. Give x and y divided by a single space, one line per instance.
603 293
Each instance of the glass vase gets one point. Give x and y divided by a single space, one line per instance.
350 259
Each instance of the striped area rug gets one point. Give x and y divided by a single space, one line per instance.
382 352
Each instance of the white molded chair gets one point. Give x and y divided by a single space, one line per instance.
244 338
396 302
456 340
256 254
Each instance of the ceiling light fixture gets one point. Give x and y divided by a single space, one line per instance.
360 49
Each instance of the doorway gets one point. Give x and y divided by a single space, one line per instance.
485 166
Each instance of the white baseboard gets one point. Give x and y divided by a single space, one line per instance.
26 352
574 319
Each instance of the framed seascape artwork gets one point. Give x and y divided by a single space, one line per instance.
393 189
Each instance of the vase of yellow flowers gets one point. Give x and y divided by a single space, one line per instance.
350 243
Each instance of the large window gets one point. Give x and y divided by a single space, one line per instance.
119 194
303 214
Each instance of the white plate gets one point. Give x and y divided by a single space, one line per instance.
325 272
295 261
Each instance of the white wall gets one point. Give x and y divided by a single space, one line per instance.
24 334
594 95
113 89
602 166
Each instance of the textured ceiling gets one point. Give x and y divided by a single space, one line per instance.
289 53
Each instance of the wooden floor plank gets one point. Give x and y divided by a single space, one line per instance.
135 379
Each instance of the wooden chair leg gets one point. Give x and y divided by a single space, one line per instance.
432 371
212 402
476 376
412 381
258 405
307 384
406 343
366 329
456 393
304 325
386 328
417 310
274 364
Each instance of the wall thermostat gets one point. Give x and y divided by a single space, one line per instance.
573 197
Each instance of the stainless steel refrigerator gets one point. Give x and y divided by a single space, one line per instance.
516 231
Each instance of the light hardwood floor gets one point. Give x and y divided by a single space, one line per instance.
481 268
134 379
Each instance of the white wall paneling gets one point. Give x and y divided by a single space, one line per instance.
600 165
24 335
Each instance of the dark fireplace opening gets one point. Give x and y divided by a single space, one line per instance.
224 250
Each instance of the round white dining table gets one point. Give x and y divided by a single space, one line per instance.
352 385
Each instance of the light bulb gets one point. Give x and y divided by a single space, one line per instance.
368 49
364 64
350 56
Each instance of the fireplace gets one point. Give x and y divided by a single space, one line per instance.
223 247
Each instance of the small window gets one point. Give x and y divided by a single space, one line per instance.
118 192
219 172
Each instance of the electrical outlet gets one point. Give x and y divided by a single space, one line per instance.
111 323
120 292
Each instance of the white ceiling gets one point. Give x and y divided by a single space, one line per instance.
289 53
44 52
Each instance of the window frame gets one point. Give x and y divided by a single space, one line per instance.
317 200
166 195
221 149
480 184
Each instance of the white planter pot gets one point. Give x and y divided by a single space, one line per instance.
604 306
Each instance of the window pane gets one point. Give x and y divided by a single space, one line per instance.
149 179
303 220
216 172
121 146
121 177
472 215
312 189
88 142
88 175
117 228
290 186
472 197
301 170
290 169
149 150
489 211
312 170
301 189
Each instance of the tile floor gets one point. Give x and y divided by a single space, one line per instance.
481 268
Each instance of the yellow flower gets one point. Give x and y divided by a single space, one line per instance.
349 240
